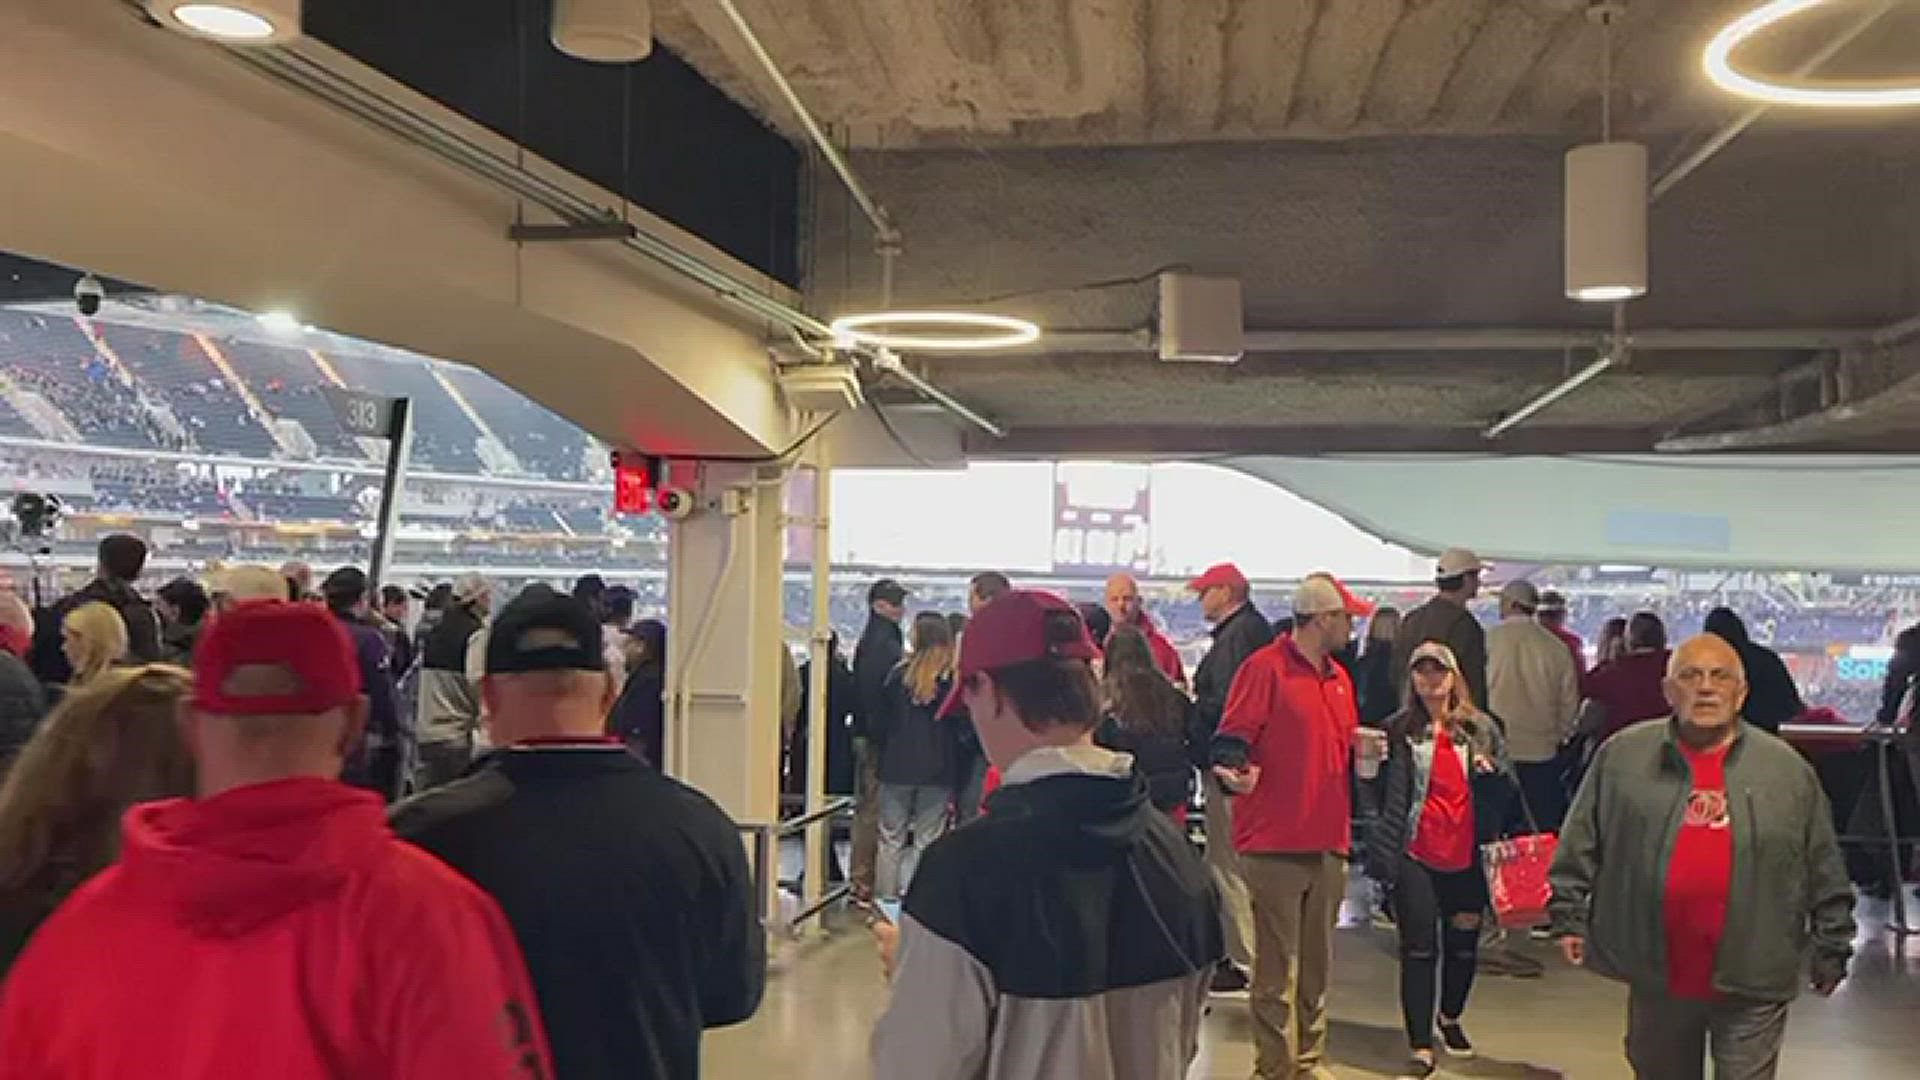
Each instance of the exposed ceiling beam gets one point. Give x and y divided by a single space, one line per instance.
1195 441
1467 339
1872 393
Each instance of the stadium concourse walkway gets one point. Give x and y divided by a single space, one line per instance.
825 994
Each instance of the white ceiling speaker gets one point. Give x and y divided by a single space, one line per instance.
1201 320
231 22
603 31
1606 222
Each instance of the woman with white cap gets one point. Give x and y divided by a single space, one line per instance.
1426 842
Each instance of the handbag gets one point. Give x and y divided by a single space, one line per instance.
1516 870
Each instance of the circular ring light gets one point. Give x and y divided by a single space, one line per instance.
1865 94
935 331
231 22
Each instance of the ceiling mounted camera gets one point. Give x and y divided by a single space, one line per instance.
88 293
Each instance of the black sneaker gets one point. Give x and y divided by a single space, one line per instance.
1419 1069
1229 978
1454 1038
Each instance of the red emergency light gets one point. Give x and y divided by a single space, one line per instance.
635 477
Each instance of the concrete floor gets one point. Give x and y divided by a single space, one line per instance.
826 992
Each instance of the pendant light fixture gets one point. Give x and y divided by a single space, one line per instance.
603 31
231 22
1606 198
1717 59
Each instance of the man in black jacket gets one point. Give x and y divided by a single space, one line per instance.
1445 619
628 890
882 645
1772 696
1239 631
122 558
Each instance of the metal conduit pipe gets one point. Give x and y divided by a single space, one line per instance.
1456 339
313 77
887 362
877 214
1897 333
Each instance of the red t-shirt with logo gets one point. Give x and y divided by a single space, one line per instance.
1443 839
1699 877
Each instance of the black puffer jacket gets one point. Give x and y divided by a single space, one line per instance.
143 629
1238 636
1162 759
882 646
915 748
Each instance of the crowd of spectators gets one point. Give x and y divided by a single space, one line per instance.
50 357
101 408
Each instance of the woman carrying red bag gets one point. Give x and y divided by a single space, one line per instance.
1440 749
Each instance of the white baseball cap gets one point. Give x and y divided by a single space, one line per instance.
1435 651
1457 562
1323 592
247 582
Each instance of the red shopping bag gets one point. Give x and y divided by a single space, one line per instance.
1517 878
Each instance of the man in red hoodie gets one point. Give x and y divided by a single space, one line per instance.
272 926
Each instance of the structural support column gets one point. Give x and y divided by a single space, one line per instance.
821 651
723 653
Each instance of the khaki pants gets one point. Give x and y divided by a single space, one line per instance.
1229 879
866 821
1296 901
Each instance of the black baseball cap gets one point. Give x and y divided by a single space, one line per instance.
542 630
349 584
889 590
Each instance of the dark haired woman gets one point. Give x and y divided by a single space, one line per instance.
1148 717
916 755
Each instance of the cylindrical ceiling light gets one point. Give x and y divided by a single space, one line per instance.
603 31
1606 222
231 22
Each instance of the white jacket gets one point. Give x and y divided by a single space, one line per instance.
1532 688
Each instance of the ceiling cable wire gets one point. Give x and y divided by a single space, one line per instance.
1606 77
1085 286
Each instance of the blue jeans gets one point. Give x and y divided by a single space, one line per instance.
912 816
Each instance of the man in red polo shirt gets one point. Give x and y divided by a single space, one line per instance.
1284 748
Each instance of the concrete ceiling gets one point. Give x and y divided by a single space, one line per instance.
904 73
1359 165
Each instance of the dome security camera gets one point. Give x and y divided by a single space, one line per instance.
88 293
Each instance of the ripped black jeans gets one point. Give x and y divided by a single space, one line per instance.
1438 915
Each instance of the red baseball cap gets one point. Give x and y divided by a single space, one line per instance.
1017 627
304 641
1223 574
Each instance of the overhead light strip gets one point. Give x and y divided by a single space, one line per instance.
1717 59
